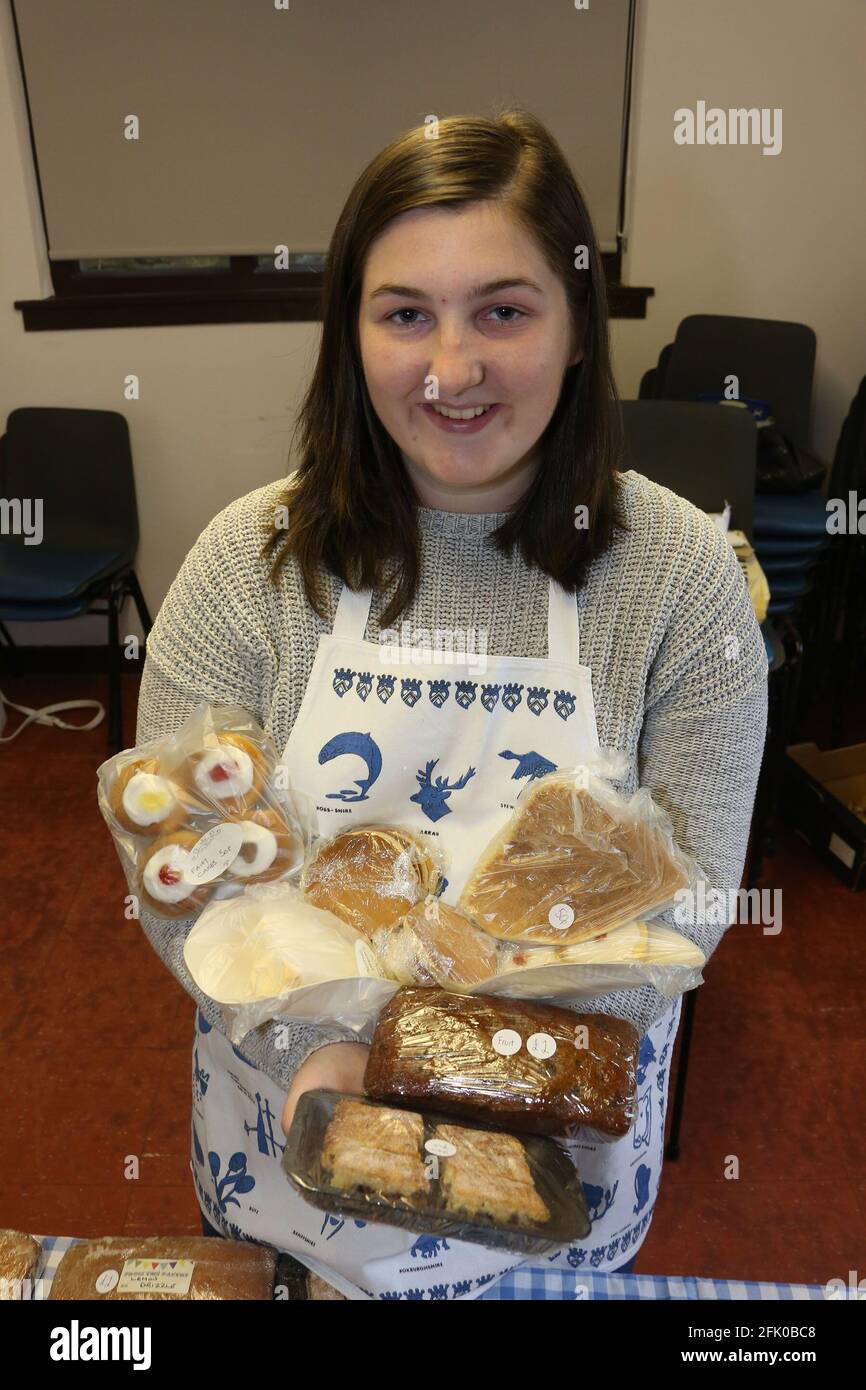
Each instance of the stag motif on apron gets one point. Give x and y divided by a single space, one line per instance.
441 744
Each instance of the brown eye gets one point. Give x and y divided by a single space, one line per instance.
403 323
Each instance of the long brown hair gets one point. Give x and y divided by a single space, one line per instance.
350 506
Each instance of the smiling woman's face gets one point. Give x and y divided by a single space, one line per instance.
437 300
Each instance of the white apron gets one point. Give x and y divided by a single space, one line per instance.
432 742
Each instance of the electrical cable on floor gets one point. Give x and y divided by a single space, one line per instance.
47 714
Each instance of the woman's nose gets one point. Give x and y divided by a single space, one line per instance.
456 365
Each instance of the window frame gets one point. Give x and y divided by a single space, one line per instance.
242 292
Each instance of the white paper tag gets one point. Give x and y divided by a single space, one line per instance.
441 1148
541 1045
214 852
107 1281
561 915
581 778
506 1042
156 1276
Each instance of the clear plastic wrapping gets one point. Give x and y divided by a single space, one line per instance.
432 1175
203 813
576 859
272 954
529 1067
20 1255
371 875
629 957
435 944
124 1268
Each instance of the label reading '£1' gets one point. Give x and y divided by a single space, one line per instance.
541 1046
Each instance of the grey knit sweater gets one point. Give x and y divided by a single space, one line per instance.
679 676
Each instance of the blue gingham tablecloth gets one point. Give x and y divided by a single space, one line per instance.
537 1282
532 1282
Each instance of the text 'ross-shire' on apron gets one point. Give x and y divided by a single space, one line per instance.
441 747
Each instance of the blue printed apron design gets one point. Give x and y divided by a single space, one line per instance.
445 755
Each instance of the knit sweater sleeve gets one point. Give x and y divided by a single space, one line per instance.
210 641
703 735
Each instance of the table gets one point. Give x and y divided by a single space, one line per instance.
537 1282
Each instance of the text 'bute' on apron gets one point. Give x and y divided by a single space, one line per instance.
441 747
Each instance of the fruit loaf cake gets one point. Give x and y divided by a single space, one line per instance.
534 1068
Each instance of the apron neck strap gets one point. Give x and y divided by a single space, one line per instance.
563 627
353 610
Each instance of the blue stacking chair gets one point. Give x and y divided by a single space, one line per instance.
789 543
79 464
774 361
838 630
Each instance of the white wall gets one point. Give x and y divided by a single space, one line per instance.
715 230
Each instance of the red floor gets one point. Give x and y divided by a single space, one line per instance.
96 1037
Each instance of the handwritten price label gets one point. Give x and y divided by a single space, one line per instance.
441 1148
561 915
541 1046
213 853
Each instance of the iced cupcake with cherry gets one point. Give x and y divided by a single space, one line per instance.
201 813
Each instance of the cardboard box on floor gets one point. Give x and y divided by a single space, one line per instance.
821 790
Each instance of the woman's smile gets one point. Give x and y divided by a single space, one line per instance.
449 425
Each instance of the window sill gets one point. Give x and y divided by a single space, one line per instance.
164 308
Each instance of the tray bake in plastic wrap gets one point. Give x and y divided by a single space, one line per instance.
530 1067
432 1175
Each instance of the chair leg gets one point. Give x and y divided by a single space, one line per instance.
795 677
6 635
672 1149
852 580
828 620
140 604
765 810
756 855
115 699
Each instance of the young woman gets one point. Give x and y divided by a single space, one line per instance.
458 471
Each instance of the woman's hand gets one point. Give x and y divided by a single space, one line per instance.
336 1067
